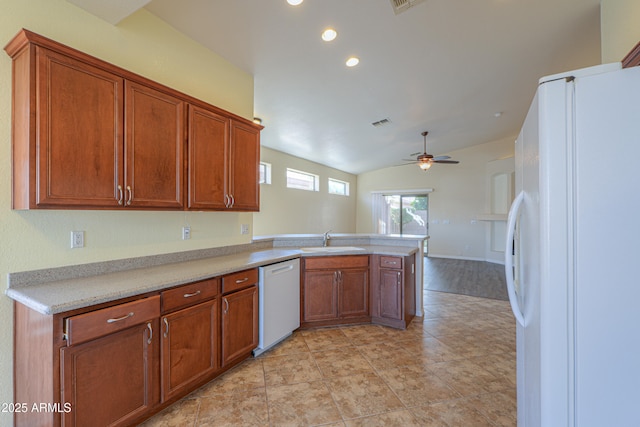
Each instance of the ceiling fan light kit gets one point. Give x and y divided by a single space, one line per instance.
425 160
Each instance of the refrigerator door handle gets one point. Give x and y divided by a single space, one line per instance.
508 257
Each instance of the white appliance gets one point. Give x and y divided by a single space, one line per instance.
279 299
574 227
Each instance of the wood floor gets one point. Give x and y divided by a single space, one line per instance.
454 367
475 278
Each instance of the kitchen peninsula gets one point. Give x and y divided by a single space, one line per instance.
163 325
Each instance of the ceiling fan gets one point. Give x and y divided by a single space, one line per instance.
425 160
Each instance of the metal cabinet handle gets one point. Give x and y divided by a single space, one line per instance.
117 319
150 333
242 280
129 195
166 327
233 201
191 295
399 282
226 303
120 195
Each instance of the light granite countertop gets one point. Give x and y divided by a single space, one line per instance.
52 297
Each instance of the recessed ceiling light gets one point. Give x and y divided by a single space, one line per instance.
294 2
352 61
329 34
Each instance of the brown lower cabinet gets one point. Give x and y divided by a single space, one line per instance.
110 380
190 337
394 291
338 290
239 315
117 364
335 290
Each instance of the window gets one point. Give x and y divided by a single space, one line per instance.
265 173
302 180
405 212
338 187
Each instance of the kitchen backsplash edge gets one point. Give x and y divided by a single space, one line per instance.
36 277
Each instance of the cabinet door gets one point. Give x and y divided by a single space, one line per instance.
189 347
208 151
79 145
244 163
391 284
320 295
239 323
110 380
354 293
154 148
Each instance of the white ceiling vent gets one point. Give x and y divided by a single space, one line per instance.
400 6
381 123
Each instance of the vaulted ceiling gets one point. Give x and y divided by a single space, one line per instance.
465 70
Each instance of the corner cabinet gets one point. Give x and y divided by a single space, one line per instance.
90 135
335 290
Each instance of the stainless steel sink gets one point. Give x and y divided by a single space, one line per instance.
332 249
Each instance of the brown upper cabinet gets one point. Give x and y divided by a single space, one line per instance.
224 156
90 135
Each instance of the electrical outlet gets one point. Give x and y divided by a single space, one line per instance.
186 233
77 239
244 229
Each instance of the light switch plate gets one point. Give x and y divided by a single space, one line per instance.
186 233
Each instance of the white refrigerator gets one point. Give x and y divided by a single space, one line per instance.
573 257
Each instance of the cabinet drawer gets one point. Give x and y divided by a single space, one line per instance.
390 261
336 262
190 294
239 280
85 327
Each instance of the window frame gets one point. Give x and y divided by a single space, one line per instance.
315 179
267 173
338 181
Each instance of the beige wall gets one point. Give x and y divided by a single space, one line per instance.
460 194
143 44
285 210
619 27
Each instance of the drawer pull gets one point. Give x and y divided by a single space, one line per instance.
242 280
120 318
191 295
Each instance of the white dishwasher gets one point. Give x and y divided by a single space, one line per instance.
279 299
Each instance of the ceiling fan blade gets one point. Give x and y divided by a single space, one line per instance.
450 162
441 158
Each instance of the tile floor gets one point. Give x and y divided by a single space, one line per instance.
454 367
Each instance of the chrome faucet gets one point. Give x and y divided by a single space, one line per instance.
326 238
